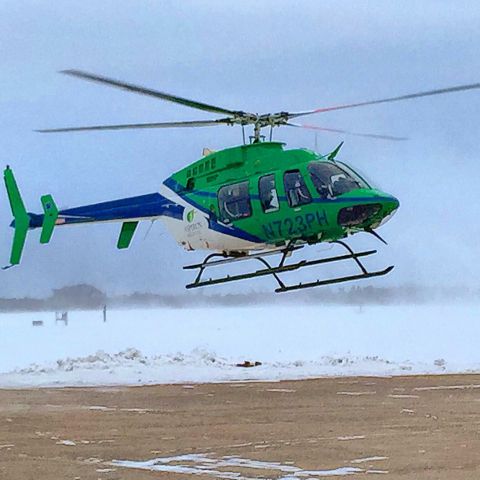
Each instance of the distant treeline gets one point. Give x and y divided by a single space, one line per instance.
89 297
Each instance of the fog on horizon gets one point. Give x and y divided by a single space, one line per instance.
256 56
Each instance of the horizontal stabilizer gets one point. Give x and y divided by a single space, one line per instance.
49 219
126 234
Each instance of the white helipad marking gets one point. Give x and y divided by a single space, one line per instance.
368 459
352 437
447 387
404 396
239 445
136 410
202 464
282 390
69 443
356 393
101 408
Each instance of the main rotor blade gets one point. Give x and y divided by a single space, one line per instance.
458 88
194 123
147 91
335 130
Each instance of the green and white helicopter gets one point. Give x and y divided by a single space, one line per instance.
243 203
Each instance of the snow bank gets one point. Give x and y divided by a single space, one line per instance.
131 367
205 345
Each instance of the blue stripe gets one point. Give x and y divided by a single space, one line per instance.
203 194
352 199
144 206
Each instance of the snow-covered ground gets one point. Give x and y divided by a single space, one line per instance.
205 344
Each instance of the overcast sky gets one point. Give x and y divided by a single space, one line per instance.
253 55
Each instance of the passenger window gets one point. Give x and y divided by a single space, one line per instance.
268 193
234 202
295 189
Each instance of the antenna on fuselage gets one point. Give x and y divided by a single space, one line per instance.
332 155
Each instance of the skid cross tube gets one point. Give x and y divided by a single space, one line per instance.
204 265
287 251
353 254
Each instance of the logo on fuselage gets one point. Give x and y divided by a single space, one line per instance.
190 216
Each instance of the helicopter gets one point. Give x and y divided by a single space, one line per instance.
248 202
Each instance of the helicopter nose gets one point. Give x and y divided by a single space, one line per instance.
389 202
371 211
390 205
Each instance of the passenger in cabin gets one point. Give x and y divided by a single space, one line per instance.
270 203
234 202
296 190
298 195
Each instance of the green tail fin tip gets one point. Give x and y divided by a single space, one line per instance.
22 219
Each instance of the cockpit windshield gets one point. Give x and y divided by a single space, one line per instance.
357 173
331 181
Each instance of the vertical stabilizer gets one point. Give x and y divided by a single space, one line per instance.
20 215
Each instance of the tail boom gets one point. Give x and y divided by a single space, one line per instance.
128 211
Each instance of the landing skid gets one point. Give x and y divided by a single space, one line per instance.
274 271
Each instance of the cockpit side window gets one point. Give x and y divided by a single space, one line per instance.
268 193
296 189
234 202
332 181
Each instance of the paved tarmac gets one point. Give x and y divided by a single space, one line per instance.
425 427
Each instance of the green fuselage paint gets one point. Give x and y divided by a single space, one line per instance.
316 220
